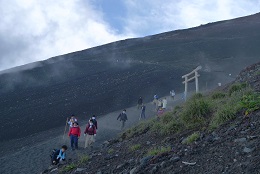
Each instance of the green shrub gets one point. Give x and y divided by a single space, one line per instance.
193 137
83 159
167 117
157 151
141 128
236 88
171 127
223 114
135 147
110 151
218 95
196 96
195 112
250 102
69 167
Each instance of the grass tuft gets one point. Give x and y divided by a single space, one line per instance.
158 151
192 138
135 147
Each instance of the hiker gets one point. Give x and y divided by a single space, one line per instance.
122 117
72 120
155 101
172 93
94 121
164 103
139 102
90 131
160 112
159 104
74 135
59 155
142 115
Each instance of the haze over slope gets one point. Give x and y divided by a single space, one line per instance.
40 96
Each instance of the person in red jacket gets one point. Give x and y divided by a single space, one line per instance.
91 132
74 135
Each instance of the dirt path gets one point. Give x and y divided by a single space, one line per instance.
31 154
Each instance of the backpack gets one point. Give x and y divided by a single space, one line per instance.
53 152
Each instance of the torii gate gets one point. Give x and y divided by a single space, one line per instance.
186 80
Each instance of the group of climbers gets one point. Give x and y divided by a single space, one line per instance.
92 126
74 135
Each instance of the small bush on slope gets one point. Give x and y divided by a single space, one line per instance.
157 151
135 147
195 112
193 137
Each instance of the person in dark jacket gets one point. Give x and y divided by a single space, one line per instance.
142 115
122 117
94 121
139 102
90 133
74 135
59 155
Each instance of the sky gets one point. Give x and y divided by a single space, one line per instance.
34 30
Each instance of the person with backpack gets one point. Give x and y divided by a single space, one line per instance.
142 115
123 118
74 135
59 155
72 120
139 102
90 131
94 121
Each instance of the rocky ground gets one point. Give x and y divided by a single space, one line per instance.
231 148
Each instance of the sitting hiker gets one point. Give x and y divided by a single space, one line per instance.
74 135
91 132
59 155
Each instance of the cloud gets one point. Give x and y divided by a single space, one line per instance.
151 17
33 30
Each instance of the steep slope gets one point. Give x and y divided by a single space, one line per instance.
172 145
110 77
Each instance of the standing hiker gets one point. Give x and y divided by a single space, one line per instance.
74 135
94 121
122 117
164 103
142 115
172 93
59 155
160 112
155 101
159 104
72 120
91 132
139 102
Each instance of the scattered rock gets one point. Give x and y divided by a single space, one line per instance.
248 150
148 142
80 170
133 171
163 164
54 170
240 140
99 172
144 161
175 158
155 169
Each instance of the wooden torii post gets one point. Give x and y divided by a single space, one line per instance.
187 79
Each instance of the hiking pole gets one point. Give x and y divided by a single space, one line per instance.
65 127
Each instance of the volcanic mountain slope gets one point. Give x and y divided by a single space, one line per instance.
112 76
221 135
